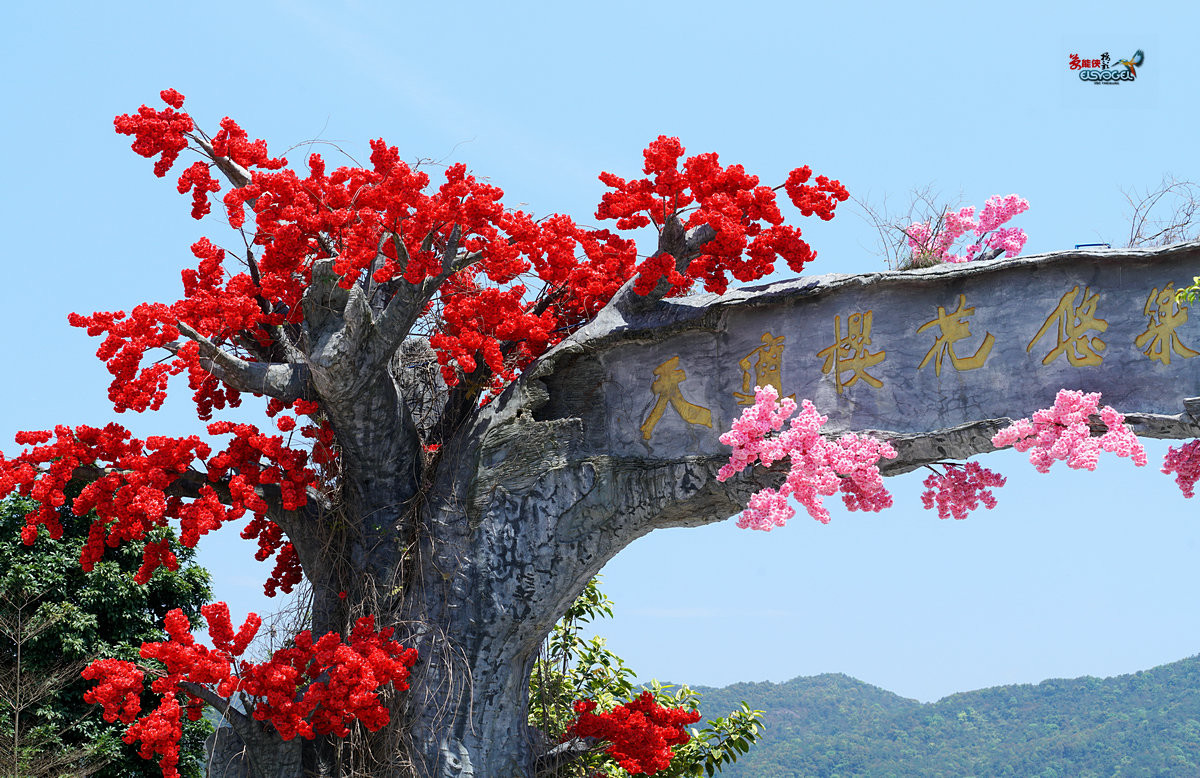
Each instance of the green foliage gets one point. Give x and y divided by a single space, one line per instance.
1144 724
570 668
80 617
1189 294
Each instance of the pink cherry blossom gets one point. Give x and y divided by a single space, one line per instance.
1184 462
1062 432
960 489
819 467
938 242
997 210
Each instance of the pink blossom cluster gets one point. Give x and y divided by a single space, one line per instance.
819 467
927 241
1062 432
959 490
1184 462
997 210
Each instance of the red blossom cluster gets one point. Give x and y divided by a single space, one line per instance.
158 132
253 459
306 690
750 232
350 674
959 489
137 489
385 221
199 181
640 733
130 497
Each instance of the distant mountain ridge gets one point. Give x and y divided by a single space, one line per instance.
1142 724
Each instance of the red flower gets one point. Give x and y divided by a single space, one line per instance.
640 733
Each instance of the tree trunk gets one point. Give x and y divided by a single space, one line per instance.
476 553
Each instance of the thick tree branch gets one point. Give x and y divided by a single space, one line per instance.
684 246
237 719
190 483
235 173
286 382
406 305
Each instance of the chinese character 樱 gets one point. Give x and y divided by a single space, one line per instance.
849 352
1072 323
954 328
667 378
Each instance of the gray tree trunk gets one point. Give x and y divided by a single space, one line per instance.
474 552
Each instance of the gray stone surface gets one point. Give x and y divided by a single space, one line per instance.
1096 320
475 551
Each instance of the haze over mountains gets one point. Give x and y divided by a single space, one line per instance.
1143 724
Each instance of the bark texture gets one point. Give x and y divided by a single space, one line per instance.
475 551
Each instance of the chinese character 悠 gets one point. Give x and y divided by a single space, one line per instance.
1072 323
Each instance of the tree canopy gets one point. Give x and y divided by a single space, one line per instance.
70 618
387 318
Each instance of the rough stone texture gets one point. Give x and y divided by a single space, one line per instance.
606 375
475 551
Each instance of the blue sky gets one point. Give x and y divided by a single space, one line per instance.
1073 574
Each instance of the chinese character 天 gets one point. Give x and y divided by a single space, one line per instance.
667 378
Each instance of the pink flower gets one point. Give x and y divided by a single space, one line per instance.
997 210
1185 463
819 467
960 489
1061 432
925 242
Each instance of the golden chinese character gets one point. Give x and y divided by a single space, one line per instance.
954 328
850 352
767 366
667 378
1073 322
1160 338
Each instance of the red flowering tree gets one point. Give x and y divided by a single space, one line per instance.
418 472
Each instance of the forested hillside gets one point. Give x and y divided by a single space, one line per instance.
1143 724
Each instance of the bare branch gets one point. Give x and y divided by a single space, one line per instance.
237 175
190 483
239 720
1164 215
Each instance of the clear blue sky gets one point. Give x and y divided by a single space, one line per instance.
1073 574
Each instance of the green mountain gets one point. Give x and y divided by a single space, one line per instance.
1143 724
